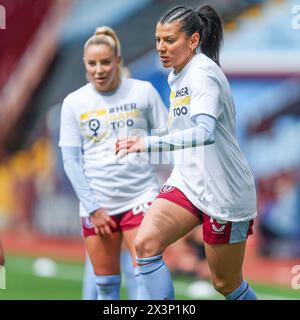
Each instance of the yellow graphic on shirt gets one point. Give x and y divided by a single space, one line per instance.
172 95
94 113
98 124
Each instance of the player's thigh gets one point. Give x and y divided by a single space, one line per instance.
104 252
225 262
165 223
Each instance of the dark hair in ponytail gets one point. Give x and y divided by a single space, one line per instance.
211 32
206 21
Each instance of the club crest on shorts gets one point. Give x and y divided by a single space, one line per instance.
87 222
166 189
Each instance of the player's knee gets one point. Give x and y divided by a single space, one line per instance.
147 247
106 269
224 287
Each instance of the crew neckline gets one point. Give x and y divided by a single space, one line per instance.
110 93
183 70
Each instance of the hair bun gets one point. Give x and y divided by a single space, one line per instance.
101 32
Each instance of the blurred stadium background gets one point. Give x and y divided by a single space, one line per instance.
41 62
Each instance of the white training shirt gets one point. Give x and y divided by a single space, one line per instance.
94 121
215 178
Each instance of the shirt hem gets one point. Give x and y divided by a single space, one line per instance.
150 197
205 209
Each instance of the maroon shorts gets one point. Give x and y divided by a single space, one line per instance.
214 231
125 221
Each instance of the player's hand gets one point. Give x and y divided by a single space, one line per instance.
102 222
128 145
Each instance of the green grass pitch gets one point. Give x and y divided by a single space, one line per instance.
66 283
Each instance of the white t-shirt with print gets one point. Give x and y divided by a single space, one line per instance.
94 121
215 178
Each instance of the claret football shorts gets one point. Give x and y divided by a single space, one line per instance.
128 220
214 231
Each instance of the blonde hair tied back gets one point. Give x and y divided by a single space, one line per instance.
109 32
106 35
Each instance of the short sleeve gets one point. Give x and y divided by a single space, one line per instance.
205 96
69 127
157 113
